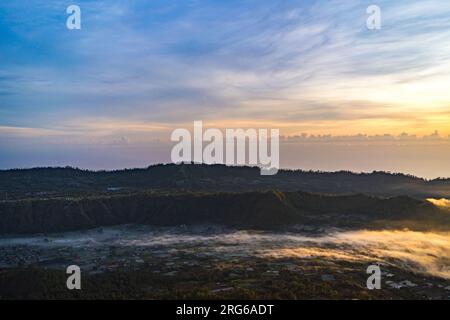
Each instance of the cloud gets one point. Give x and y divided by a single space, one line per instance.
422 252
132 59
139 68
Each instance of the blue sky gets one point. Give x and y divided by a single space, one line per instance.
137 69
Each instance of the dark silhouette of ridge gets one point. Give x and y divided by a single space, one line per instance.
45 182
272 209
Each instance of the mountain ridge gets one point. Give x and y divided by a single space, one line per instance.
39 182
257 210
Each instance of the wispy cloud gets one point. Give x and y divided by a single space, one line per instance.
169 62
139 68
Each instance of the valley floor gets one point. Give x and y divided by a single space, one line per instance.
208 262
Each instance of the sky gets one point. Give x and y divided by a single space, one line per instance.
109 95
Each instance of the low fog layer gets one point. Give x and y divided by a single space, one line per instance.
416 251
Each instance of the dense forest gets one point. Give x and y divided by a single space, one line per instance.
46 182
259 210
